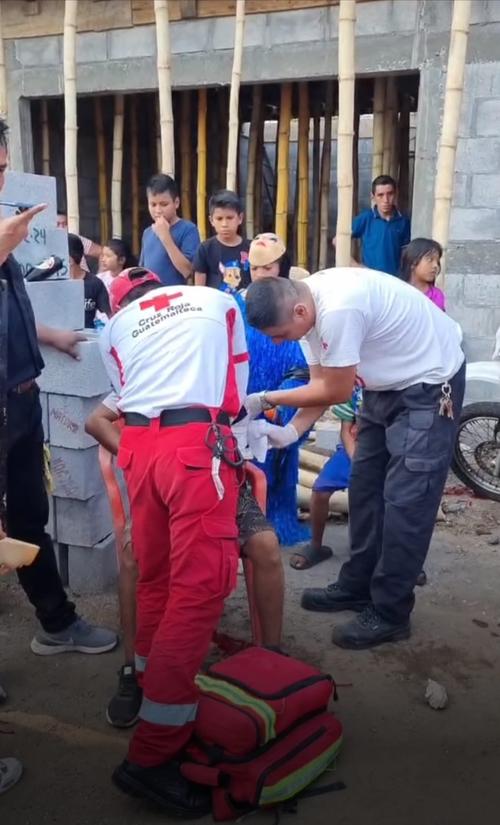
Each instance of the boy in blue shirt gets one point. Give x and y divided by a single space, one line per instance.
169 244
382 230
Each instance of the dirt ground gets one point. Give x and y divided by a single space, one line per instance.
403 763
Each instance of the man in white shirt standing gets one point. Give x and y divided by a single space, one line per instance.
362 325
177 359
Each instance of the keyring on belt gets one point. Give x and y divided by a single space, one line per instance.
221 445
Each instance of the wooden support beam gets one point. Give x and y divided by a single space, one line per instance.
379 90
252 170
44 122
201 184
326 162
70 117
303 177
186 155
101 170
117 171
282 162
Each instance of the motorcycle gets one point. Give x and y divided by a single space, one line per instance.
476 458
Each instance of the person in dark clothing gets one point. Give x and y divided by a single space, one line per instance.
95 292
222 261
26 511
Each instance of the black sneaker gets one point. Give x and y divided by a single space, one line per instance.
164 785
367 630
123 710
331 598
421 579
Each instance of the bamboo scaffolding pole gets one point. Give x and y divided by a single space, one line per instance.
186 155
201 183
355 156
316 161
326 158
253 140
3 74
404 155
395 149
345 135
44 120
234 97
158 134
117 170
379 91
389 136
70 117
282 163
443 191
303 176
222 147
101 170
163 61
134 174
259 176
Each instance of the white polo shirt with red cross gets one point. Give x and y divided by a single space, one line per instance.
177 347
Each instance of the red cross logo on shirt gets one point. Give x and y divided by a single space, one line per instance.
160 302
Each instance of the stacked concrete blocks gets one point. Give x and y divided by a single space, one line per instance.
81 522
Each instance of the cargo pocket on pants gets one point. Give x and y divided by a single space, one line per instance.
419 474
419 426
225 531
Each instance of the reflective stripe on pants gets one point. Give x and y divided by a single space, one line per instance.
185 542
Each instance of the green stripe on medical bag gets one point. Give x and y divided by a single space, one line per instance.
294 783
237 696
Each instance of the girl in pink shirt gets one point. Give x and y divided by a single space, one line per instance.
420 266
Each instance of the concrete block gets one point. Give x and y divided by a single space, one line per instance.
189 36
39 51
44 403
51 523
454 289
486 190
327 435
474 256
478 349
58 303
476 322
67 415
139 41
476 155
83 523
223 31
65 376
385 16
297 26
474 224
488 117
91 47
76 473
488 11
483 291
93 569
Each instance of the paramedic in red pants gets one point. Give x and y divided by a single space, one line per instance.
177 358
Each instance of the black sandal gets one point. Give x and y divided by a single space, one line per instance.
312 556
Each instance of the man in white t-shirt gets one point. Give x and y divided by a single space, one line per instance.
177 359
362 325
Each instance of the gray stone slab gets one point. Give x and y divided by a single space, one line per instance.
474 256
93 570
254 32
189 36
488 117
91 47
386 16
461 190
65 376
476 321
297 26
67 415
478 155
139 41
83 523
44 403
478 349
58 303
76 474
485 190
483 291
39 51
474 224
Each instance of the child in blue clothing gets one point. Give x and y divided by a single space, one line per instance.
169 244
335 475
280 366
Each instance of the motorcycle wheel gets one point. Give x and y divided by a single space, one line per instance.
476 458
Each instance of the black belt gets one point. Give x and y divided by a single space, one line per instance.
25 386
177 417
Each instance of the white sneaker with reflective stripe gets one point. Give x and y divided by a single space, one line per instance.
11 771
79 637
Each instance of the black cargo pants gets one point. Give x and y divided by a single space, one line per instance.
28 511
400 466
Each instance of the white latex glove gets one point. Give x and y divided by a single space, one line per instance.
278 437
253 404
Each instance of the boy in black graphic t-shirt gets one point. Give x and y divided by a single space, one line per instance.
222 261
96 294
